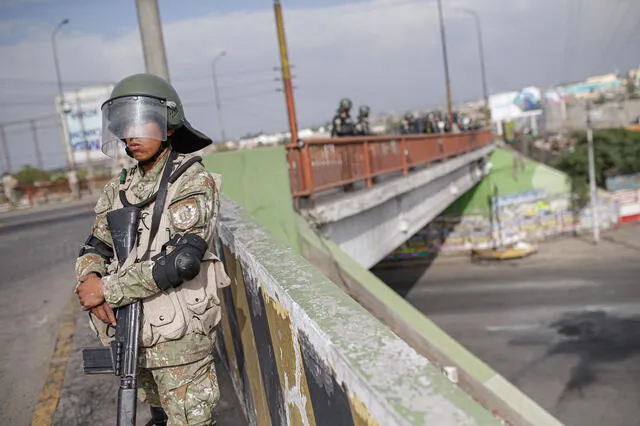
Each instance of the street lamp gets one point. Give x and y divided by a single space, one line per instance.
485 95
215 89
446 64
63 106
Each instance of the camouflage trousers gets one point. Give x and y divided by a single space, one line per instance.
188 393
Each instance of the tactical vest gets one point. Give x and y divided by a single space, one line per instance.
362 128
343 126
193 307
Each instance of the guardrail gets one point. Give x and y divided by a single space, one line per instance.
317 165
45 192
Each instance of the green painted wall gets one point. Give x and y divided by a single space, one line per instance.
258 180
504 177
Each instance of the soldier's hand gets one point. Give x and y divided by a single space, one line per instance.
90 291
105 314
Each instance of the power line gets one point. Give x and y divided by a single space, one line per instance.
231 98
251 83
27 120
251 95
578 34
29 130
26 103
259 82
228 74
13 80
631 33
568 40
616 30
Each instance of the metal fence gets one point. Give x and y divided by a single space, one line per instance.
323 164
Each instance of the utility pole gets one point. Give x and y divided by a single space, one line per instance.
622 108
3 139
83 133
217 94
286 72
443 38
296 146
155 58
592 178
564 115
36 143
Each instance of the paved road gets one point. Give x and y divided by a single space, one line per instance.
37 253
563 325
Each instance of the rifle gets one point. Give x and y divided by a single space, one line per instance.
121 357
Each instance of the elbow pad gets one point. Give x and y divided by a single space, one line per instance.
182 264
97 246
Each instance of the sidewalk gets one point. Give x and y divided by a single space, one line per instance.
91 399
87 199
616 242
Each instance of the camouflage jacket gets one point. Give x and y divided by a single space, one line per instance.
176 324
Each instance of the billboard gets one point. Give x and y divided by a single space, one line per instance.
516 104
81 119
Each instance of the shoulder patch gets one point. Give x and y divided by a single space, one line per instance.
195 180
185 214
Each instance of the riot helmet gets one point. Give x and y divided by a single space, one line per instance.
363 111
345 105
147 106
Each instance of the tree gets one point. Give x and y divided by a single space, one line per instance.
631 88
27 175
616 152
601 99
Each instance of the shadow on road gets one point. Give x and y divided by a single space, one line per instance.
423 249
595 337
402 275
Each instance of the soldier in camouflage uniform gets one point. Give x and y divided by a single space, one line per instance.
362 126
176 375
408 124
342 124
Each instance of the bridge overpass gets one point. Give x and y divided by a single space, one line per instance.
404 183
309 334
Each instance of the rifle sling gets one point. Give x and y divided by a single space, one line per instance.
161 197
161 194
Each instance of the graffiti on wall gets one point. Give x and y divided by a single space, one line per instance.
528 216
625 190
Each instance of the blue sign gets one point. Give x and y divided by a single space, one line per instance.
617 183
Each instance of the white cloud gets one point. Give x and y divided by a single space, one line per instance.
9 3
385 53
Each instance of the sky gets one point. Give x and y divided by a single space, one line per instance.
382 53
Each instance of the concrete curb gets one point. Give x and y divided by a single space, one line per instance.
18 219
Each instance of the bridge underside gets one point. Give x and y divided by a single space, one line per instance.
369 224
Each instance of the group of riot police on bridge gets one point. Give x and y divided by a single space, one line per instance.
433 122
343 125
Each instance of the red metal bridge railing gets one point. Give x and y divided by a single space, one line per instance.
324 164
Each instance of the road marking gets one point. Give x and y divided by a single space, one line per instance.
50 393
516 327
505 286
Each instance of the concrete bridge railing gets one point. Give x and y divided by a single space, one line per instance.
302 352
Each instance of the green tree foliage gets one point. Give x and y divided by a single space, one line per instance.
27 175
616 151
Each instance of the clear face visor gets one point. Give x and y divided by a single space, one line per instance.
133 117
